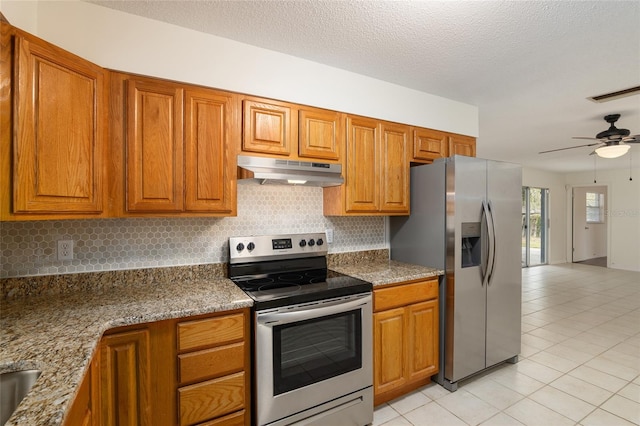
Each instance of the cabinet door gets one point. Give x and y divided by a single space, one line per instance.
429 144
84 410
362 177
125 373
462 145
59 117
422 334
209 120
389 349
266 127
320 134
394 168
154 146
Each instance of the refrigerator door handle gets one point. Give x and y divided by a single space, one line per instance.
487 252
491 262
489 247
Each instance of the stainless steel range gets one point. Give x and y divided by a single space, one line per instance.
312 332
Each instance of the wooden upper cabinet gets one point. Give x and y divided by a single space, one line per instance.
282 129
267 127
362 180
176 144
59 134
320 134
429 144
209 124
394 168
376 170
462 145
155 147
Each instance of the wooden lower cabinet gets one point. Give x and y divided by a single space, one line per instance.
125 378
184 371
405 338
85 410
213 370
211 399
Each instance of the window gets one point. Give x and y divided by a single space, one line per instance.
595 207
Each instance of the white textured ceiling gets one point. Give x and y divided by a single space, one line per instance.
528 65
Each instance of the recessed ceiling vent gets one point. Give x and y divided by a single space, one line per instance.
616 95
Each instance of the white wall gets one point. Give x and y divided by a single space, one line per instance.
623 213
125 42
24 12
555 182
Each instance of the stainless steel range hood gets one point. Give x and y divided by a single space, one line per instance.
288 172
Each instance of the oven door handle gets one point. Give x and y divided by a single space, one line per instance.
312 311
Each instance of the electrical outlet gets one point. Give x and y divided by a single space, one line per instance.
329 233
65 250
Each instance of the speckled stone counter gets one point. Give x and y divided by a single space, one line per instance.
56 331
374 266
53 323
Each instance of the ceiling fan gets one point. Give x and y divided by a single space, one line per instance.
612 143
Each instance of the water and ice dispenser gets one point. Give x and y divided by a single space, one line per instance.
470 244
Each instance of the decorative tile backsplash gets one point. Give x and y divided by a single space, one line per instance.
30 248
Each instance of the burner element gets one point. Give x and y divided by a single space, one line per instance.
260 281
290 277
279 287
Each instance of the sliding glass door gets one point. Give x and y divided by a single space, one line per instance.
535 226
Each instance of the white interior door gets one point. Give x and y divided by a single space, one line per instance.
589 222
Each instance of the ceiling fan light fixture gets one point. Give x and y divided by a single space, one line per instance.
612 151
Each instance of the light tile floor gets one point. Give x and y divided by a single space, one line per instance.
579 365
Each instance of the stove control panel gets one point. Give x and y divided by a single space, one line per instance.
258 248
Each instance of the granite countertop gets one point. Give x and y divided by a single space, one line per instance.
54 323
379 270
58 333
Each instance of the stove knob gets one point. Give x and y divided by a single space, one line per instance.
240 247
251 246
320 242
303 243
312 243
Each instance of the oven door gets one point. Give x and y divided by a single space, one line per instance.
310 354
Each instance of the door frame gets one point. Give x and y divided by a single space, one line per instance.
570 216
546 206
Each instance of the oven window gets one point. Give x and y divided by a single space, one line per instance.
310 351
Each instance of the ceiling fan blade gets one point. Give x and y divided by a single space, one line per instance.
570 147
631 139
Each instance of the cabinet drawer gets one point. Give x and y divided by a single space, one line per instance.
210 332
209 363
234 419
403 295
214 398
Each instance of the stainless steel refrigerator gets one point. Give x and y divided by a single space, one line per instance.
466 219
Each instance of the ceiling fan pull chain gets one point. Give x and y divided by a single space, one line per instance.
630 156
594 168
